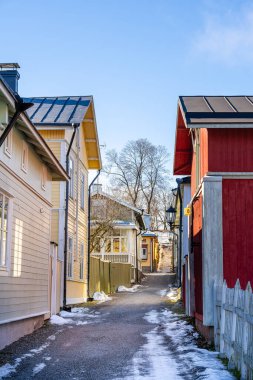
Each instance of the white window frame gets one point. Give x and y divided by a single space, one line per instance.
81 262
144 256
8 144
70 262
44 177
24 157
5 267
82 190
72 178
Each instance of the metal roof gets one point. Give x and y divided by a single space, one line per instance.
32 136
217 109
61 110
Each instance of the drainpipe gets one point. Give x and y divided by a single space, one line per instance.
136 258
75 126
20 108
151 255
179 181
89 212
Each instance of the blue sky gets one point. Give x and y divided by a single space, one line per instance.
134 56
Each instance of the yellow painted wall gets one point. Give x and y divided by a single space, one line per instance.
151 243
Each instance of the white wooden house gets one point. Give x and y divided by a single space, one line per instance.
121 242
27 169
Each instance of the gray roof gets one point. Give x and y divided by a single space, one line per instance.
62 110
217 109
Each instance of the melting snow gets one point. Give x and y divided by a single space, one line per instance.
8 368
171 352
57 320
39 367
133 289
101 296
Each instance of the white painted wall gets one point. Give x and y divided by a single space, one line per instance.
212 244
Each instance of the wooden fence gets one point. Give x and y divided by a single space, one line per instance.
107 277
233 326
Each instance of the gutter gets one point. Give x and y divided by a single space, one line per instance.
20 108
89 223
66 220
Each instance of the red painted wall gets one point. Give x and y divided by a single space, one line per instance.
237 195
230 150
183 285
197 251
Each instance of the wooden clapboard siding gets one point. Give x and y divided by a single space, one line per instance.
55 226
33 177
77 218
24 291
52 134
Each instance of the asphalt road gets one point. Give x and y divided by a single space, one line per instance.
101 349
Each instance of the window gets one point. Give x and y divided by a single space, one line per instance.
144 253
82 187
44 177
24 157
71 181
8 144
70 257
81 261
4 230
117 243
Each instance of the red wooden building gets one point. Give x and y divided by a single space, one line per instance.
214 145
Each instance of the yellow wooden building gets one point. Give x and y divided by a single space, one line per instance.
149 251
55 119
28 170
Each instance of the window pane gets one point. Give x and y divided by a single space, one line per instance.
6 202
1 209
108 246
124 245
4 243
116 245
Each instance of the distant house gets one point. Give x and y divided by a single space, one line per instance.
55 118
214 139
28 168
149 251
119 240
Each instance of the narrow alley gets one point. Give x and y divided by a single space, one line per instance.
135 335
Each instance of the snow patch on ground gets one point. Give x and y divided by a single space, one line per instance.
133 289
172 293
7 369
101 297
59 320
173 344
39 367
77 316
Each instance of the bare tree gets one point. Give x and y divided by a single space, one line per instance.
104 213
139 173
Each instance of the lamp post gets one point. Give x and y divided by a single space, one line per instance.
171 217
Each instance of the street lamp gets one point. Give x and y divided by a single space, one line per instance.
171 216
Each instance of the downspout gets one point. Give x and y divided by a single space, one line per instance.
75 126
89 213
151 255
136 256
77 190
20 108
179 181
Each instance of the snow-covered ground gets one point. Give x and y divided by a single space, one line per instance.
171 352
